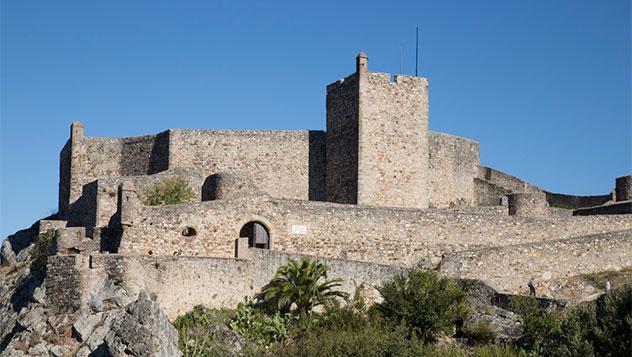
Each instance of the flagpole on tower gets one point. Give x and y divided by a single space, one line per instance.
417 52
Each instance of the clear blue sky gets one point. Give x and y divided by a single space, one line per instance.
544 86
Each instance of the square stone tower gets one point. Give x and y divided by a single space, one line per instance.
377 139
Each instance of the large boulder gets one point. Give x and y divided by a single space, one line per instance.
143 330
482 301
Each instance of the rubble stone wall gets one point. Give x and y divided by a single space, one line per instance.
64 288
107 189
372 234
86 159
183 282
453 165
279 161
509 268
489 194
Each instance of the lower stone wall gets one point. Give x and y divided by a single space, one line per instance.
509 268
63 282
505 181
183 282
624 207
488 194
403 237
570 201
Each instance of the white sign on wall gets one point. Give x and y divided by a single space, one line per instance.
299 229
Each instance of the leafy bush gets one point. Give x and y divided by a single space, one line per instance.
258 327
202 332
370 340
577 328
168 192
537 325
602 328
304 284
479 334
614 317
428 304
41 251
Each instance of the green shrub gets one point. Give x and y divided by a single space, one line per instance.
480 334
370 340
200 332
41 250
601 328
258 327
577 329
537 325
427 304
168 192
614 317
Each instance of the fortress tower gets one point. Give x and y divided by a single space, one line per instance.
377 139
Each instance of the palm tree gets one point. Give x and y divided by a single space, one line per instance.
298 283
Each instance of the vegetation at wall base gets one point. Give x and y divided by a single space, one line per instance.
428 304
599 328
168 192
394 328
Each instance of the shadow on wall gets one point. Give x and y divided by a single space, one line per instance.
83 212
111 235
145 155
317 165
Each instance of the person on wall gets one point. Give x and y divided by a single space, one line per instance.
531 285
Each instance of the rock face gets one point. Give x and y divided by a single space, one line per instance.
112 327
143 330
505 324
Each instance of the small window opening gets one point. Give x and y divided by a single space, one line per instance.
189 232
257 233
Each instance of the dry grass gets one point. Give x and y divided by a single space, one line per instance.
617 278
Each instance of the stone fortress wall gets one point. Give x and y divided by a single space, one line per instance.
508 268
492 185
288 164
181 282
279 161
395 236
76 281
453 163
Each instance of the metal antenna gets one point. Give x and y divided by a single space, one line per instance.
417 53
401 58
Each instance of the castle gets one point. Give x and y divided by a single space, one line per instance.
375 193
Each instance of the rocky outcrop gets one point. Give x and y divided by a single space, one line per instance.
483 311
142 330
139 329
116 324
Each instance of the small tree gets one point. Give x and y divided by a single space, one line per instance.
425 302
168 192
300 284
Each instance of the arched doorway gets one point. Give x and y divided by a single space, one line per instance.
257 233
